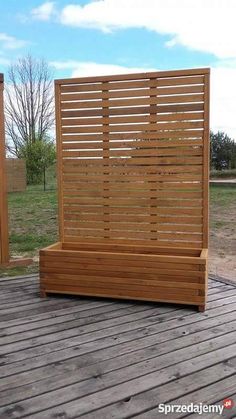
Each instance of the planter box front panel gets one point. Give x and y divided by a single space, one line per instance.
152 276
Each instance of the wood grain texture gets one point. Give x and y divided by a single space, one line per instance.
4 245
159 275
16 175
59 162
132 167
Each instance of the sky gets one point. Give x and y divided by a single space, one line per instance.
87 37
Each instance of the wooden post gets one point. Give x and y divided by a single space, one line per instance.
205 166
4 236
205 178
59 163
4 246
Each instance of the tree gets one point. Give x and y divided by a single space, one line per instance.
223 151
29 103
38 156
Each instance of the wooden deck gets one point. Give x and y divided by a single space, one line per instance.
65 357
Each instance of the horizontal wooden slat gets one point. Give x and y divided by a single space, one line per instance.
154 109
163 221
127 195
165 181
181 116
180 282
132 93
93 191
130 199
174 236
132 84
163 175
93 280
142 240
180 76
177 99
132 226
134 127
107 266
128 272
120 254
112 243
129 251
137 136
124 293
157 144
147 152
135 161
134 210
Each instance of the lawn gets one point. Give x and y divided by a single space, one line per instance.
33 225
223 174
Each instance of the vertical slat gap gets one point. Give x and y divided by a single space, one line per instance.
153 185
105 116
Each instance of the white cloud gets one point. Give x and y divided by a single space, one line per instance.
223 88
207 26
223 98
83 69
200 25
43 12
10 42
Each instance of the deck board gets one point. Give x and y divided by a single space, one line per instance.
69 357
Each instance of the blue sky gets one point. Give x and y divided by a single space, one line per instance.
81 37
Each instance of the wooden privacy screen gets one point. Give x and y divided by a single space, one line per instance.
133 161
4 247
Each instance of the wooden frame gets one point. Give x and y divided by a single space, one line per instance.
4 246
4 236
133 157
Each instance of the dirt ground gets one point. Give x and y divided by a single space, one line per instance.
222 256
222 266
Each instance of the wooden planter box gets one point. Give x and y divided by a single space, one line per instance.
133 157
132 272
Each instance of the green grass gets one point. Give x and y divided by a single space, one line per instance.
28 242
33 222
19 270
218 224
222 209
221 196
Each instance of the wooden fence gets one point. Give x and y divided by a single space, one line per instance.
133 155
16 175
4 247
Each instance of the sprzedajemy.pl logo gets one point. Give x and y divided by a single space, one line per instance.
199 408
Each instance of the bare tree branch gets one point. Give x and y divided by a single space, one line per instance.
29 104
